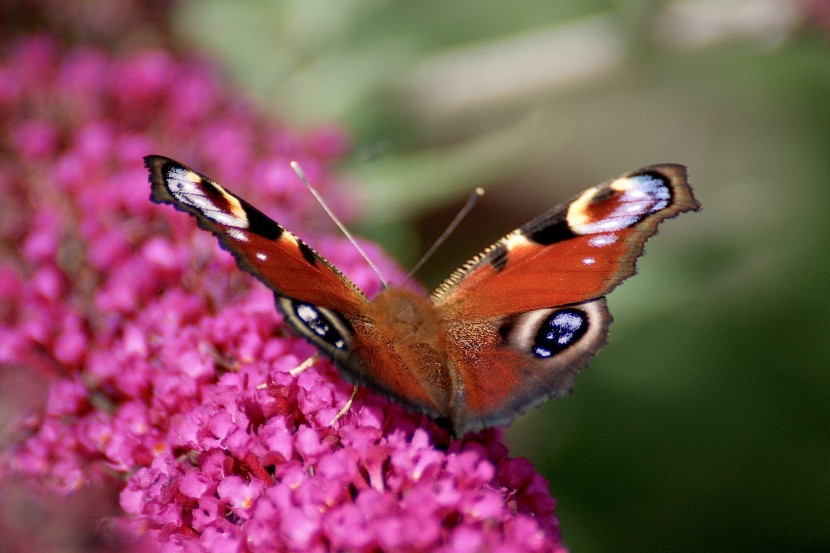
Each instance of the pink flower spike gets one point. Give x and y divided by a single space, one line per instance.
465 540
167 372
299 528
35 139
66 397
239 494
193 484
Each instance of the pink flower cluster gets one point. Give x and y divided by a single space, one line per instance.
168 372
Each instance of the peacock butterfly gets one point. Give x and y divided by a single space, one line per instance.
504 332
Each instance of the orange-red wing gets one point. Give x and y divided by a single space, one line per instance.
261 247
575 252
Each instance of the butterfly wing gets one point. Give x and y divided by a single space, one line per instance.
526 315
577 251
318 301
261 247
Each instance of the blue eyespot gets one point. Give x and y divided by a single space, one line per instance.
559 331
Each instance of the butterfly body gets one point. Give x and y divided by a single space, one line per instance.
503 333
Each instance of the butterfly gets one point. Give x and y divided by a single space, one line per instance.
509 329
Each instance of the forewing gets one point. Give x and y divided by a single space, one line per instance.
261 247
575 252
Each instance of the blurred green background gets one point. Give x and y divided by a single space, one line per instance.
704 423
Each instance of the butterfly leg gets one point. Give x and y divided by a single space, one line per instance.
345 408
296 370
304 365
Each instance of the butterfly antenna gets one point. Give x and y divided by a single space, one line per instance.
471 201
341 226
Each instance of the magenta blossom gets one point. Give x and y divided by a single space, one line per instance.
167 373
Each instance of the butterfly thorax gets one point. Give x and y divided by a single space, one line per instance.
409 316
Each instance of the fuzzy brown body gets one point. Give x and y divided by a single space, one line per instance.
414 333
503 333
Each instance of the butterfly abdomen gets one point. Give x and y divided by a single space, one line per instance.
415 333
